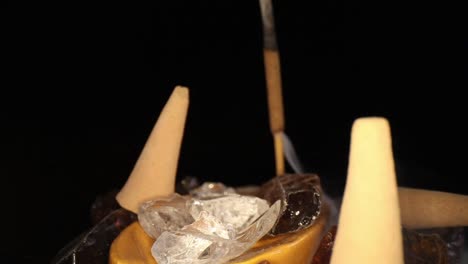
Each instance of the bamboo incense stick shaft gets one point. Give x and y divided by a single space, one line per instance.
275 98
273 82
278 141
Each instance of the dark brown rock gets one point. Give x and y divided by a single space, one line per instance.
300 195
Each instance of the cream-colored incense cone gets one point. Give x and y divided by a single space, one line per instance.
369 229
427 209
155 171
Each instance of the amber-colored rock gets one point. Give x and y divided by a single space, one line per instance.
323 254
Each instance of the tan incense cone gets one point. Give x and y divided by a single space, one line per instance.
369 229
428 209
155 171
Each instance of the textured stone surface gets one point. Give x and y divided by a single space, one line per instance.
103 206
92 247
433 246
187 184
323 254
301 200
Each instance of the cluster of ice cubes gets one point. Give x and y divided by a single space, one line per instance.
211 225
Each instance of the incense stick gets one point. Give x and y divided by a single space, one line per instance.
273 82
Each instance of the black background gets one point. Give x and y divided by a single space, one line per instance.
113 65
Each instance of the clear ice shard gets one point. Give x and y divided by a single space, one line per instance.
164 214
211 189
209 241
236 210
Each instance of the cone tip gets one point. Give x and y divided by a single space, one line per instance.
181 91
365 128
371 121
